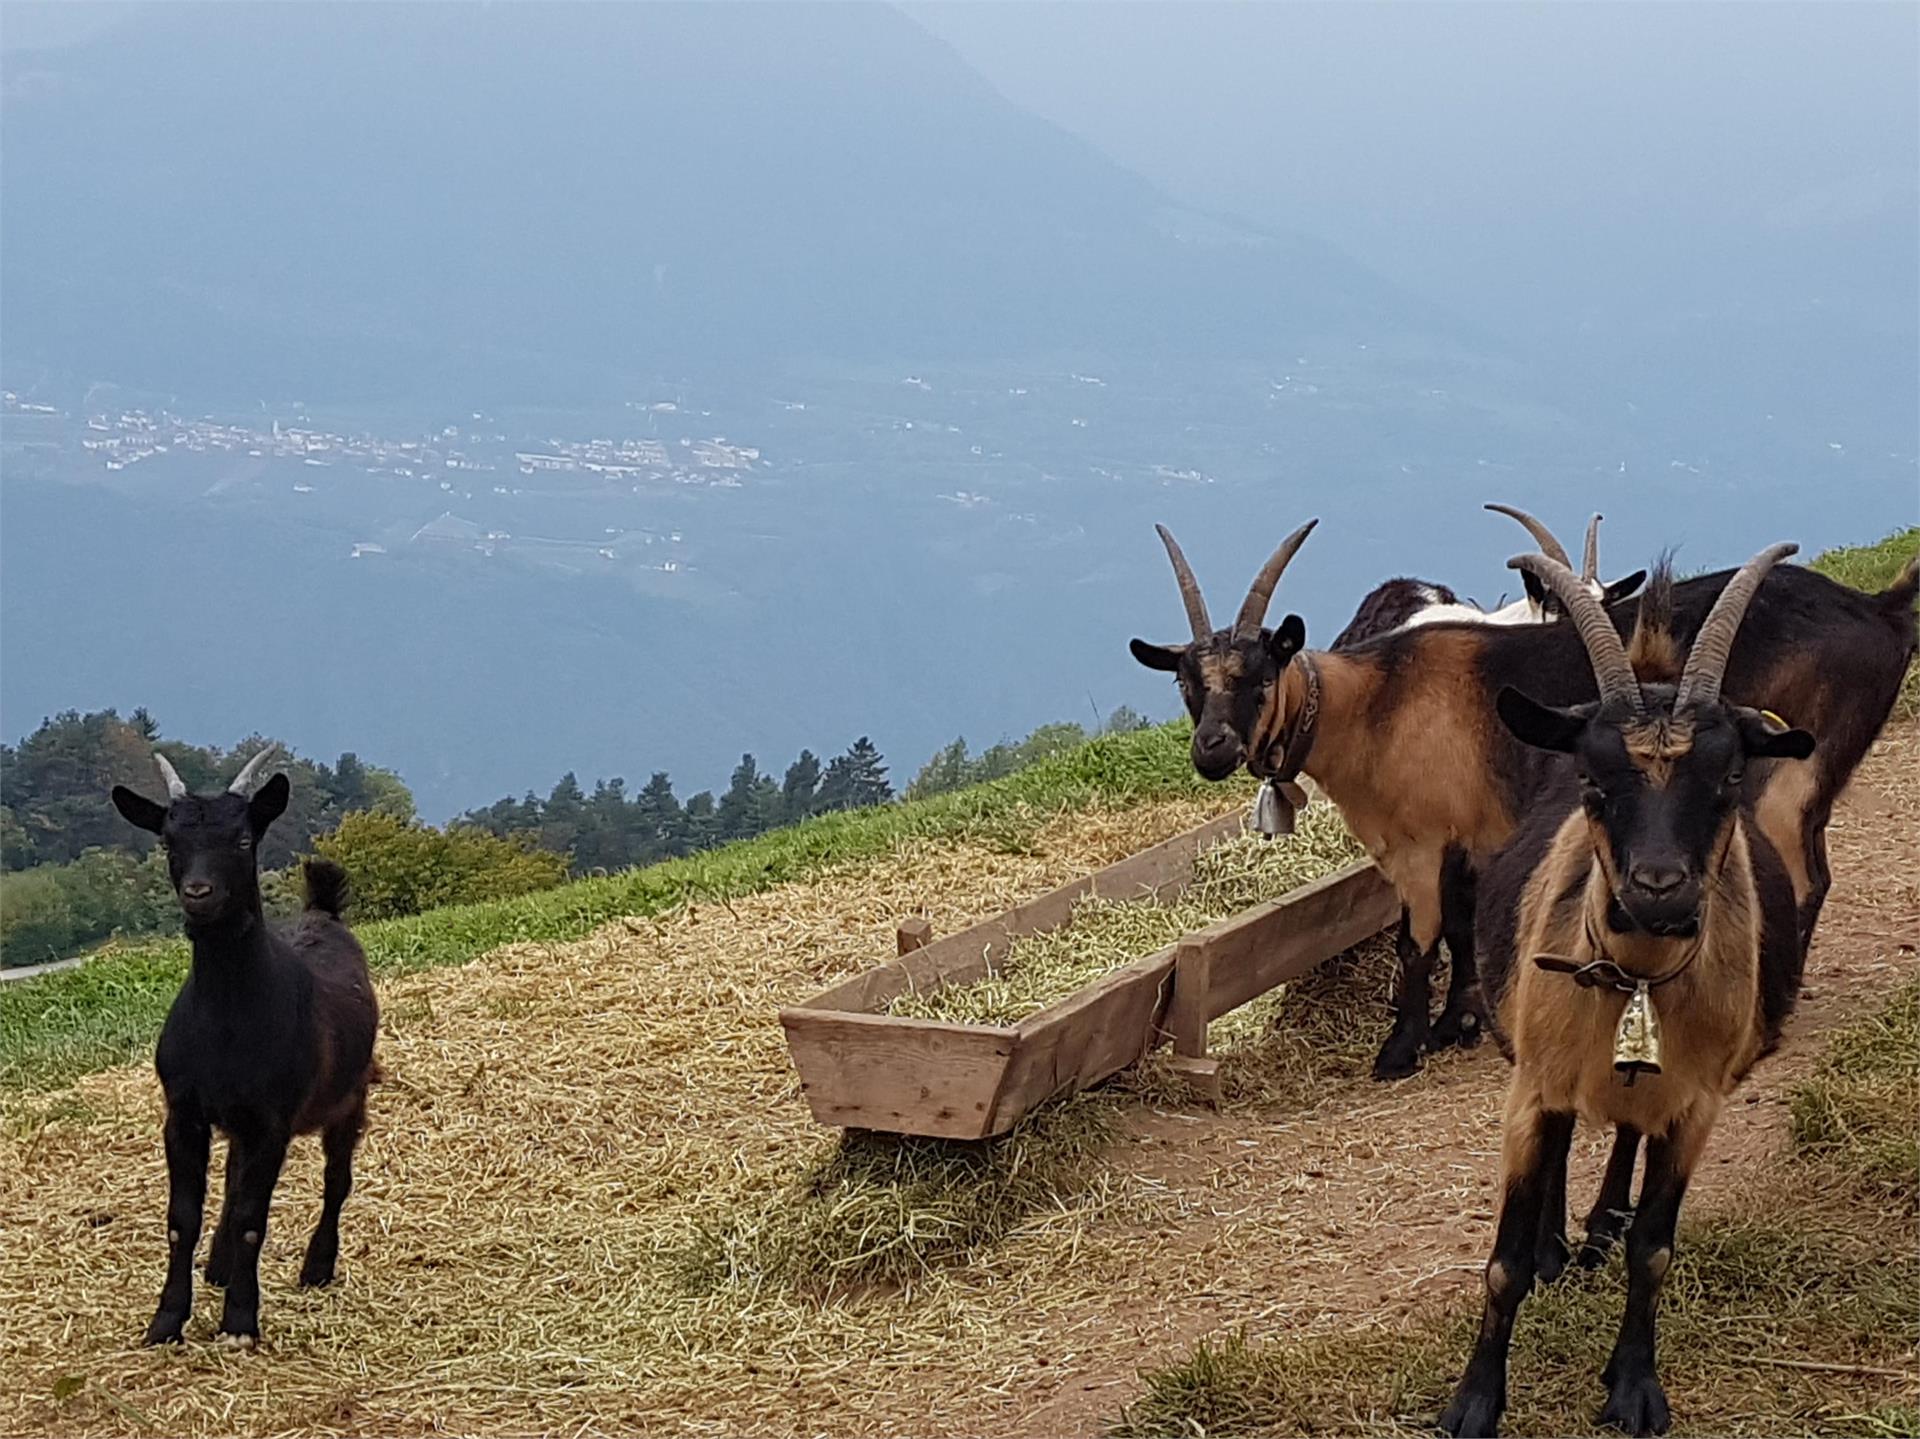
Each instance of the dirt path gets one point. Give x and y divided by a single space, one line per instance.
1384 1196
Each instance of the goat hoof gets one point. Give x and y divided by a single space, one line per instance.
166 1328
238 1330
1457 1030
1550 1261
1637 1404
316 1273
1396 1064
1602 1239
1473 1414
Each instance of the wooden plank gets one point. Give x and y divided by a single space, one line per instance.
1092 1033
906 1076
963 957
1272 943
1187 1014
1202 1075
913 932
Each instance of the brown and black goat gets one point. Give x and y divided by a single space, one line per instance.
1404 603
1640 950
1400 732
271 1036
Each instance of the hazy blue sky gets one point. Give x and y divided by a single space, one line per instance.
1514 158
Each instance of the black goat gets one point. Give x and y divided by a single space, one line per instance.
271 1036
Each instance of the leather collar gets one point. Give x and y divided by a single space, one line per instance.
1604 971
1296 740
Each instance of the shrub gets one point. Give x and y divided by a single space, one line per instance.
398 868
36 922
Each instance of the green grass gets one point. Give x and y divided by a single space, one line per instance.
1863 1103
108 1011
1872 568
1813 1267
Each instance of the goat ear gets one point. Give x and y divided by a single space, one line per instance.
1287 641
1623 589
1764 738
1542 726
1157 657
1536 591
269 802
138 810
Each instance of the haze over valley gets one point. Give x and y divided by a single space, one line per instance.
502 392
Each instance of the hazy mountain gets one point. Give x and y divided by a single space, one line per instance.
350 201
497 391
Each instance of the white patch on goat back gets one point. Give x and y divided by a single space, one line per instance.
1440 614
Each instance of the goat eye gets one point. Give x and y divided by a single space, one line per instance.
246 841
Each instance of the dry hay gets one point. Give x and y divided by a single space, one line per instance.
561 1219
1104 934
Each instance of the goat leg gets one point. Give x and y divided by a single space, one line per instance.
1535 1145
261 1155
1635 1401
1460 1023
1412 1032
187 1140
323 1250
1613 1206
220 1256
1551 1250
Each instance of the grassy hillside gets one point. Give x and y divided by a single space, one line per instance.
1872 568
60 1026
56 1028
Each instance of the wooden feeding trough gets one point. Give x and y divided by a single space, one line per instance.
862 1068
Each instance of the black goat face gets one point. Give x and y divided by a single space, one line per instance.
1660 790
1226 684
211 843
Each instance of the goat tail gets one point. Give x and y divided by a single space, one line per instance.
1897 598
326 887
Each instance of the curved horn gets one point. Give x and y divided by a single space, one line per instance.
1713 646
1542 536
1590 562
243 782
176 787
1609 656
1190 595
1253 610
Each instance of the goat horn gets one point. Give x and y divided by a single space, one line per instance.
1590 562
176 787
243 782
1253 612
1707 661
1190 595
1609 656
1542 536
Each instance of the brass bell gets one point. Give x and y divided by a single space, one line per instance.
1636 1042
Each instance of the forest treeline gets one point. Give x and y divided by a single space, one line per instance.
74 874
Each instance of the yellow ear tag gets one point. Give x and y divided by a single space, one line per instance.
1774 720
